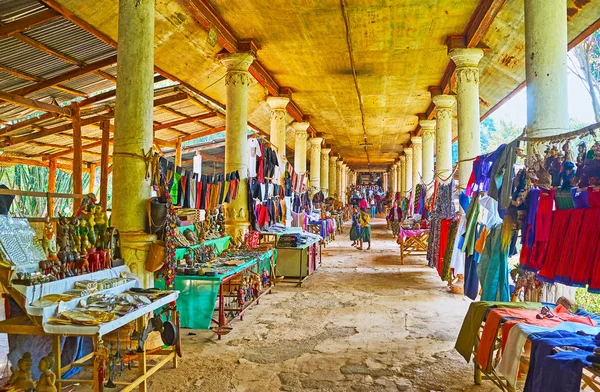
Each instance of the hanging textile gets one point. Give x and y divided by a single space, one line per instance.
443 208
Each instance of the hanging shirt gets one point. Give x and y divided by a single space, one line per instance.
253 153
197 165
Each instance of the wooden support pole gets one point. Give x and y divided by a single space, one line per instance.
178 144
77 153
105 126
92 184
51 186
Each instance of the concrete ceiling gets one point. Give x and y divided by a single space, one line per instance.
398 45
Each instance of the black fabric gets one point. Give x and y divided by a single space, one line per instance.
5 201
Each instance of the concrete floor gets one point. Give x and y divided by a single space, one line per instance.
362 322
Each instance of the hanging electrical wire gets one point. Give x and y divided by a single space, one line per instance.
353 66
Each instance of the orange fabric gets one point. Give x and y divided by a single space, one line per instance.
495 316
479 244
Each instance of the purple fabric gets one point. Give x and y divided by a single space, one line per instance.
482 169
534 198
411 233
580 198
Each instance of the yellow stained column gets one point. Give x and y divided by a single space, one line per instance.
467 85
417 168
428 127
278 126
444 107
300 146
133 133
339 179
408 171
315 164
333 176
325 170
237 81
394 178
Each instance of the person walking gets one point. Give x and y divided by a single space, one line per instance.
394 218
365 229
355 229
373 208
363 203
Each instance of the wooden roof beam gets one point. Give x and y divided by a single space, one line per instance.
208 18
71 150
32 162
33 104
28 22
205 132
177 131
184 121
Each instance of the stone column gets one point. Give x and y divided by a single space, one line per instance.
333 176
394 186
402 168
315 164
278 127
339 179
546 67
300 146
325 170
399 175
467 81
408 170
133 134
417 168
444 105
385 181
343 183
428 127
237 81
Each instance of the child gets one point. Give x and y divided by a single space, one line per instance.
355 230
365 229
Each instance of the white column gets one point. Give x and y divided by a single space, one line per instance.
408 170
278 126
417 169
333 176
444 105
546 67
315 164
325 170
385 181
344 182
237 82
399 175
428 127
394 178
300 146
467 81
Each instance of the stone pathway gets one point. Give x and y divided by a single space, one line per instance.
362 322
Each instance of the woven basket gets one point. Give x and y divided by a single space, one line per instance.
156 256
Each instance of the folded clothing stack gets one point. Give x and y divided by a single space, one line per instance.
289 240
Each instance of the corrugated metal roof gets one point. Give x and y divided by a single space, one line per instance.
11 10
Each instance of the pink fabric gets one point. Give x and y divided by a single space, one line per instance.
410 233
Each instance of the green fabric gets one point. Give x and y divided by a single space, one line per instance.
365 233
198 294
220 244
468 245
175 188
446 260
472 322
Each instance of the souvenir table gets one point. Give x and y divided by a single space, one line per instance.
511 353
326 228
61 295
220 244
295 264
211 302
412 241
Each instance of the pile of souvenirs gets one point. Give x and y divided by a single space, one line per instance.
212 227
84 243
21 378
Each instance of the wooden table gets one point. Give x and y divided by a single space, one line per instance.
412 241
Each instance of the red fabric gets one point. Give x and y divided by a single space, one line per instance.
444 231
594 197
586 253
528 316
471 181
199 197
558 236
263 215
260 162
566 261
543 225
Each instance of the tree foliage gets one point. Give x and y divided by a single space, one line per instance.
494 133
585 64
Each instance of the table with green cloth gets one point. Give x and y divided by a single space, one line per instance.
220 244
198 294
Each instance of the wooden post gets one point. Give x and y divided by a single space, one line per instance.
92 184
77 154
51 187
178 145
105 126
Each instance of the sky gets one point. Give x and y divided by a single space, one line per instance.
580 105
